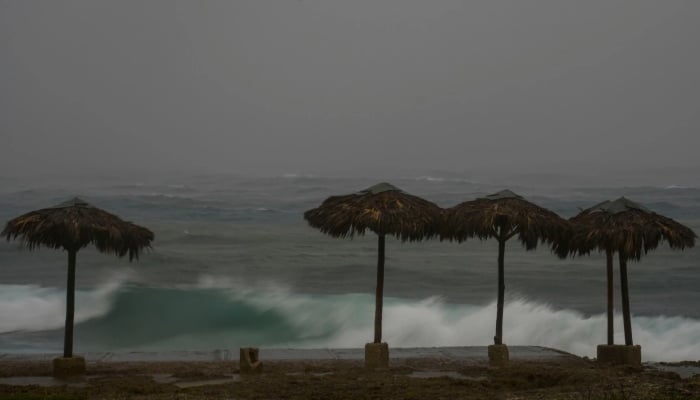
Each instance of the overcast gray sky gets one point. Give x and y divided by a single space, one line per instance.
323 85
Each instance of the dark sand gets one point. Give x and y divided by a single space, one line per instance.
552 375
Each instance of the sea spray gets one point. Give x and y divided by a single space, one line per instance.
36 308
216 313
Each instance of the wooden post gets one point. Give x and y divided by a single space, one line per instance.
498 339
626 315
379 296
70 305
249 361
611 310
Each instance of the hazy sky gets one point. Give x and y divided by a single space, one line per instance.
314 86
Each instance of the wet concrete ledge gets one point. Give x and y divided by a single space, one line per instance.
477 354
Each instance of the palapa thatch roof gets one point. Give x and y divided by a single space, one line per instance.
508 212
75 224
383 209
626 227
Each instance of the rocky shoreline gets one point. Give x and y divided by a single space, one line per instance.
556 377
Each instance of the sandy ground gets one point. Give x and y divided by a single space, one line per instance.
419 378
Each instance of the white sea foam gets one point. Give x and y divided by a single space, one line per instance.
430 323
429 178
36 308
337 321
347 321
294 175
678 187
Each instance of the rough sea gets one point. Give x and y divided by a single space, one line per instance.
234 264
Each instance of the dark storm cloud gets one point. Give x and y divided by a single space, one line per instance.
273 86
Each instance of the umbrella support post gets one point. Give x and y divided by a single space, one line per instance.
626 313
619 354
498 355
611 293
68 367
377 355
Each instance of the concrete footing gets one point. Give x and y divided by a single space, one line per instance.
68 367
249 362
498 355
618 354
376 355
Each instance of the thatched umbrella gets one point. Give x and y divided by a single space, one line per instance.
384 210
502 216
629 229
72 226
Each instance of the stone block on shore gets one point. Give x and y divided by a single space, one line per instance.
618 354
376 355
498 355
249 362
68 367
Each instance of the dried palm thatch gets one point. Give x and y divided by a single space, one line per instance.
628 228
502 216
385 210
631 230
72 226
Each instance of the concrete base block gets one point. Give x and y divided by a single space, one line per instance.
498 355
68 367
376 355
618 354
249 362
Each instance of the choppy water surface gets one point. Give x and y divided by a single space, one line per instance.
234 264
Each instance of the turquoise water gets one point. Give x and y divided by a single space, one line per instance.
234 264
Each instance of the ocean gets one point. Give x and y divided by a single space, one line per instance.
234 264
